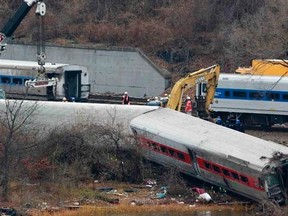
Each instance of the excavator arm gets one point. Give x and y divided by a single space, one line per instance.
13 23
209 75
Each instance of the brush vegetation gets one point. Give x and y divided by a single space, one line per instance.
181 35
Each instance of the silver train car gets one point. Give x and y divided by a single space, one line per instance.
72 80
49 115
249 166
254 99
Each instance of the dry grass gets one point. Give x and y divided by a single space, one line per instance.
122 209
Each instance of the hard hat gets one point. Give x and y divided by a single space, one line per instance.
156 98
125 92
188 98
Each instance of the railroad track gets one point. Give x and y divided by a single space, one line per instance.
115 99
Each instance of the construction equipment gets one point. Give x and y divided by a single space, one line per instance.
9 28
267 67
209 76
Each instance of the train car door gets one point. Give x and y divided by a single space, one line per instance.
192 155
72 84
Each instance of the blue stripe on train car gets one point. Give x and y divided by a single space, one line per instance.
14 80
243 94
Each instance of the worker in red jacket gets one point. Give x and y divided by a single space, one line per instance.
188 106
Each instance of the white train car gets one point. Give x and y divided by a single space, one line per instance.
54 114
72 80
241 163
255 99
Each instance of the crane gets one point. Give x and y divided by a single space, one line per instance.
10 27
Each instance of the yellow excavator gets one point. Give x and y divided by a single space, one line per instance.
267 67
209 76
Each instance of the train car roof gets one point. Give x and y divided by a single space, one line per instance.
207 136
50 115
27 65
250 78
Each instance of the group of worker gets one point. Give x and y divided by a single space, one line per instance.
231 122
72 99
156 101
161 102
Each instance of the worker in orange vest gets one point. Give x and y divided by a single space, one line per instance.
188 106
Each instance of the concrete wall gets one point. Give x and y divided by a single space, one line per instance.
110 70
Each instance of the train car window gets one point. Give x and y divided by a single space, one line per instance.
227 93
207 165
134 131
225 172
216 169
235 175
275 96
154 146
17 81
285 96
244 179
272 96
239 94
5 79
180 156
163 149
255 95
148 143
172 153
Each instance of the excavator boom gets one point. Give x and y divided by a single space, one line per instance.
209 75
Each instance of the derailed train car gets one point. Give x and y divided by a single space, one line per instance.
72 80
249 166
50 115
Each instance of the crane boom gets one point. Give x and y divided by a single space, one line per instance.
209 75
10 27
13 23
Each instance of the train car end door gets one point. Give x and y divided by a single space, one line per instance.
192 155
72 84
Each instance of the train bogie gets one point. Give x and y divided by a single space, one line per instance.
219 155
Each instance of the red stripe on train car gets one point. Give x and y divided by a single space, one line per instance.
228 173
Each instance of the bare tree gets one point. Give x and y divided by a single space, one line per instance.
15 118
259 35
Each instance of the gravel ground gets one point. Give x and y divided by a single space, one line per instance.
277 134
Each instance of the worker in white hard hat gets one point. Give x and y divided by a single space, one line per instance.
126 98
164 100
188 106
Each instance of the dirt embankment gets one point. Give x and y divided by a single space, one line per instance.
278 134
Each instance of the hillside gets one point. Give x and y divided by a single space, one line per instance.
180 35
